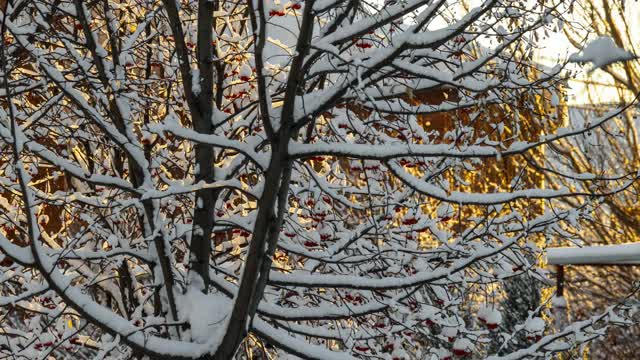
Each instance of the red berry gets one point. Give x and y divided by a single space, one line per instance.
410 221
460 352
6 262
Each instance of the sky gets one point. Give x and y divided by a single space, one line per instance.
557 48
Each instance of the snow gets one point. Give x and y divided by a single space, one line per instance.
362 266
494 317
388 151
463 344
592 255
177 189
535 325
359 282
395 150
297 346
195 81
559 302
445 210
246 147
490 315
475 198
449 331
601 52
35 290
18 253
205 314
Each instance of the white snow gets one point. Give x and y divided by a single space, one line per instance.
345 266
559 302
535 325
608 254
463 344
601 52
205 313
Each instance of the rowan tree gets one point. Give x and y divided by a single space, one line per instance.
328 179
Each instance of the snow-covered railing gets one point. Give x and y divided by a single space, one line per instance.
623 254
606 255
